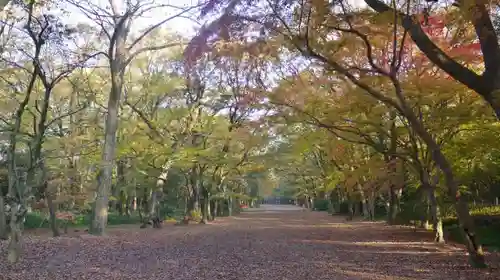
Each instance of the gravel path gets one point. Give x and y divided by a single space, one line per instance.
275 243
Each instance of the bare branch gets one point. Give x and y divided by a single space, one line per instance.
155 26
152 48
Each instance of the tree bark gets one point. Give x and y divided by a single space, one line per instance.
152 203
230 206
363 201
437 222
205 207
117 63
15 246
52 213
393 205
213 209
371 206
100 215
220 208
4 232
350 209
475 249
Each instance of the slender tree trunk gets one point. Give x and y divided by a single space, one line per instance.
52 213
424 223
393 205
363 201
371 206
475 249
123 203
194 204
350 209
117 63
129 205
195 183
100 213
437 222
213 209
230 206
14 199
209 211
340 200
357 207
113 202
220 208
15 246
205 207
153 201
4 232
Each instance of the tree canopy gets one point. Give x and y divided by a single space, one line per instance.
371 110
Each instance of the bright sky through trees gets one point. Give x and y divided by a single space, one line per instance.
183 25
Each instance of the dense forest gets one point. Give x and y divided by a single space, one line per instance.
382 110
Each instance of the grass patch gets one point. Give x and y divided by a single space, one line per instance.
487 221
489 236
35 220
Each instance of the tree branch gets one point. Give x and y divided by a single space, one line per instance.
433 52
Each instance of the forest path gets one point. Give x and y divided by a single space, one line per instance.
274 242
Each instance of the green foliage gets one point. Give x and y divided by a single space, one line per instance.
477 211
321 205
35 220
195 215
489 235
169 211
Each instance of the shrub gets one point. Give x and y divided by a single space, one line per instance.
167 211
34 220
195 215
321 205
37 220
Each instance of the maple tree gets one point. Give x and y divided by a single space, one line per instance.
322 31
328 105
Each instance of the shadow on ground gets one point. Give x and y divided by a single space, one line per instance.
275 242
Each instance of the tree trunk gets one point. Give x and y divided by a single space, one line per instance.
363 201
437 222
350 209
475 249
130 200
123 201
117 63
153 201
52 214
100 213
230 206
4 232
205 207
15 246
393 205
113 202
338 205
220 208
357 211
209 211
213 209
371 206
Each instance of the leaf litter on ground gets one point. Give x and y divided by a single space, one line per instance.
256 246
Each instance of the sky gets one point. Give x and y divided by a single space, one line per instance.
181 25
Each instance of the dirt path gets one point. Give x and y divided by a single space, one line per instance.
275 243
